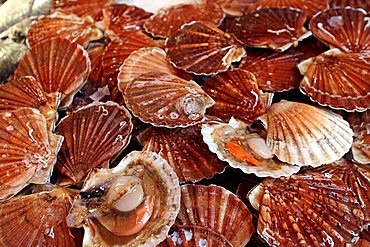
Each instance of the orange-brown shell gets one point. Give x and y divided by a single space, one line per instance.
364 4
274 28
168 21
82 8
202 48
233 7
338 80
355 119
343 28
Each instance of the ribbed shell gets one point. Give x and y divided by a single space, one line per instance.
81 8
165 100
307 209
338 80
143 61
343 28
37 219
356 177
158 5
184 150
217 209
142 165
274 71
27 150
364 4
233 7
310 7
216 135
201 48
235 93
71 27
355 119
361 144
93 135
168 21
304 135
59 65
274 28
119 18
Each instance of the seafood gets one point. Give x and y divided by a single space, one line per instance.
233 7
156 6
82 8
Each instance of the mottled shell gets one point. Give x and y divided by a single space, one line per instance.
235 93
361 144
307 209
184 150
343 28
201 48
93 135
338 80
59 65
82 8
304 135
274 28
71 27
364 4
168 21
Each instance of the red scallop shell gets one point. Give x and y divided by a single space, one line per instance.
307 209
217 209
201 48
27 150
71 27
168 21
364 4
96 76
361 144
233 7
165 100
274 28
235 93
82 8
59 65
339 80
343 28
355 119
184 150
310 7
119 18
93 135
364 240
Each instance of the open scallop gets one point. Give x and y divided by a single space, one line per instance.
132 204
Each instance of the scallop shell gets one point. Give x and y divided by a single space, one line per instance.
37 219
59 65
304 135
361 144
201 48
71 27
158 5
158 181
356 177
146 60
233 7
339 80
217 209
355 119
27 92
274 28
274 71
307 209
27 150
184 150
235 93
168 21
310 7
89 141
165 100
119 18
216 135
364 4
82 8
364 240
343 28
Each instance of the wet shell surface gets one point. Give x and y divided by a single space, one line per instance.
165 100
338 80
37 219
235 93
307 209
27 150
92 8
343 28
274 28
158 5
71 27
184 150
361 144
303 135
218 135
274 71
233 7
93 135
59 65
218 210
168 21
133 204
364 4
201 48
